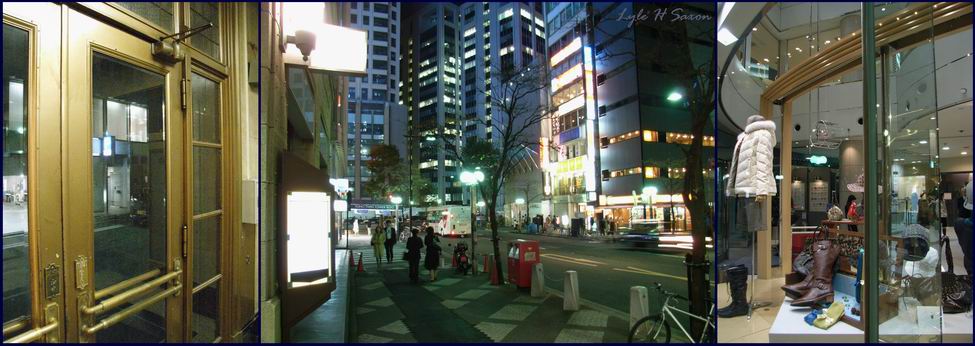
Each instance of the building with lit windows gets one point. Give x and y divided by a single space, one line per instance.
373 99
617 122
430 67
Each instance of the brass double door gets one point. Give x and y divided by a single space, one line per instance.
112 185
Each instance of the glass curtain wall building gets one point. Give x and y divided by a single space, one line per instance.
430 67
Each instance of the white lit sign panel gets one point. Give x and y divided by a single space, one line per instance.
341 205
309 248
337 49
590 86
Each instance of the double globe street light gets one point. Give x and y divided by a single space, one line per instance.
472 179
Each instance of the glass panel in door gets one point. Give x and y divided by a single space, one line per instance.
129 188
16 262
207 209
910 295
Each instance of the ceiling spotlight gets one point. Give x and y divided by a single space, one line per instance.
964 153
923 142
945 148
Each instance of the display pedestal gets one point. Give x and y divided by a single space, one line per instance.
789 327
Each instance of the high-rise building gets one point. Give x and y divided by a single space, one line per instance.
618 119
495 35
373 99
431 70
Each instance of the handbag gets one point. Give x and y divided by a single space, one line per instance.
956 295
803 263
835 213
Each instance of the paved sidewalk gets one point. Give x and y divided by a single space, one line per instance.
459 308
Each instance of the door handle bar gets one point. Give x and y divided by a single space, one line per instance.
111 290
15 326
131 310
50 332
119 299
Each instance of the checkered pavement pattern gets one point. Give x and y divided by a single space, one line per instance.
496 313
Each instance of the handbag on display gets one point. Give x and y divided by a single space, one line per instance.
835 213
956 295
803 263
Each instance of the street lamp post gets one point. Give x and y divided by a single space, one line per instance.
396 200
472 179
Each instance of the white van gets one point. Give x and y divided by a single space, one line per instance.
450 220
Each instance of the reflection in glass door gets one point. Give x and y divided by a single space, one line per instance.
910 295
16 255
129 190
207 208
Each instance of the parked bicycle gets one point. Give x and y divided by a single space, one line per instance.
656 328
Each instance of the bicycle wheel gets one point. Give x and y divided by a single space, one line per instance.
650 329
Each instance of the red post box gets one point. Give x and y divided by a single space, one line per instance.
522 255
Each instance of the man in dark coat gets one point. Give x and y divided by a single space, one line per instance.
413 246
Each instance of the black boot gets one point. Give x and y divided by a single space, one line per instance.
738 282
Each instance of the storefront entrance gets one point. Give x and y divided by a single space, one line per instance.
113 199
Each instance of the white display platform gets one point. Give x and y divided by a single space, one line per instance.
789 327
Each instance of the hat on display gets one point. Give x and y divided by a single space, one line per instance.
916 244
857 186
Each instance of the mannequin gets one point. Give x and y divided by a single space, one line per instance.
752 180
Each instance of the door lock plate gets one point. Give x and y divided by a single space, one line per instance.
52 281
81 272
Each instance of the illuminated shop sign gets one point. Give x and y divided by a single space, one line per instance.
335 48
309 248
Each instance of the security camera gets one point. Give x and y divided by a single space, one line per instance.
305 41
860 121
798 127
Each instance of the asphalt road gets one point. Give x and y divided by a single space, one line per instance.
606 271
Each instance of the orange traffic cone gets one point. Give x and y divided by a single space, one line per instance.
360 268
351 259
485 265
453 261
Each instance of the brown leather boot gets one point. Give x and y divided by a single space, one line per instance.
821 285
796 290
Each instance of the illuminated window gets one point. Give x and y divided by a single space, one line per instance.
676 172
650 136
651 172
623 137
625 172
686 138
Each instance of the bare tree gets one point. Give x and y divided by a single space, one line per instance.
517 112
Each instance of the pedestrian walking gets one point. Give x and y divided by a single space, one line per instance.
390 234
413 246
432 261
377 240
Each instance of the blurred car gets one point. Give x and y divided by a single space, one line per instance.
642 234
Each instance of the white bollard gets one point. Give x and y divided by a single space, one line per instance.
538 280
570 299
639 304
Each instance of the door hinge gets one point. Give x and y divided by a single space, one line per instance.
185 242
183 87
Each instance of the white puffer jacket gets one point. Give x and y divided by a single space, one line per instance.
751 167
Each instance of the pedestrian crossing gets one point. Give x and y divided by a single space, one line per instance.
369 258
